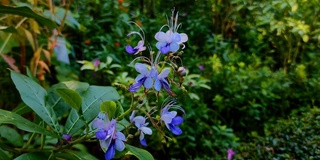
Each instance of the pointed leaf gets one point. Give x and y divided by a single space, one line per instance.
34 96
139 153
7 117
21 109
71 97
109 107
11 135
27 12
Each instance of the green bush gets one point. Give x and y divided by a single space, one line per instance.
294 138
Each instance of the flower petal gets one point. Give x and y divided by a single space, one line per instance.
119 145
161 36
174 46
166 118
175 130
131 50
165 49
143 142
139 121
164 73
177 120
157 85
141 68
99 123
101 134
148 83
184 38
110 152
175 38
120 136
146 130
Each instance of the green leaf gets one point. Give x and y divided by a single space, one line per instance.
27 12
139 153
91 100
71 97
11 135
59 106
7 117
73 123
34 96
3 155
21 109
79 155
33 156
109 107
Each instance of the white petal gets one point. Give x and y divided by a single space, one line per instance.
184 37
161 36
146 130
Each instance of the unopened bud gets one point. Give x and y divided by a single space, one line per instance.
181 71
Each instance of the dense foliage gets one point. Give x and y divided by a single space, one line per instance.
249 63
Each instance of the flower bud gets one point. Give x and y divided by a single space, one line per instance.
181 71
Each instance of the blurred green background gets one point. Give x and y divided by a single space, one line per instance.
253 77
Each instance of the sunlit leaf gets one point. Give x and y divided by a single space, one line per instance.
109 107
71 97
27 12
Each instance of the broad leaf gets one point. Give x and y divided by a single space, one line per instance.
27 12
7 117
71 97
3 155
139 153
34 96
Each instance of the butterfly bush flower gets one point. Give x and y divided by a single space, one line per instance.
171 39
110 139
170 118
144 78
140 123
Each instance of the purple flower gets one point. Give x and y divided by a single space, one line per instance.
110 139
140 123
96 63
170 118
135 50
201 67
161 80
67 137
230 153
144 78
171 40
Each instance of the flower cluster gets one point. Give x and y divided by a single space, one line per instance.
153 75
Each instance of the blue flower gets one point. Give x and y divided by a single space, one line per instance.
135 50
110 139
161 80
171 40
144 78
170 118
140 123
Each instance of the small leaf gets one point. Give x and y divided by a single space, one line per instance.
139 153
108 107
7 117
27 12
11 135
71 97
